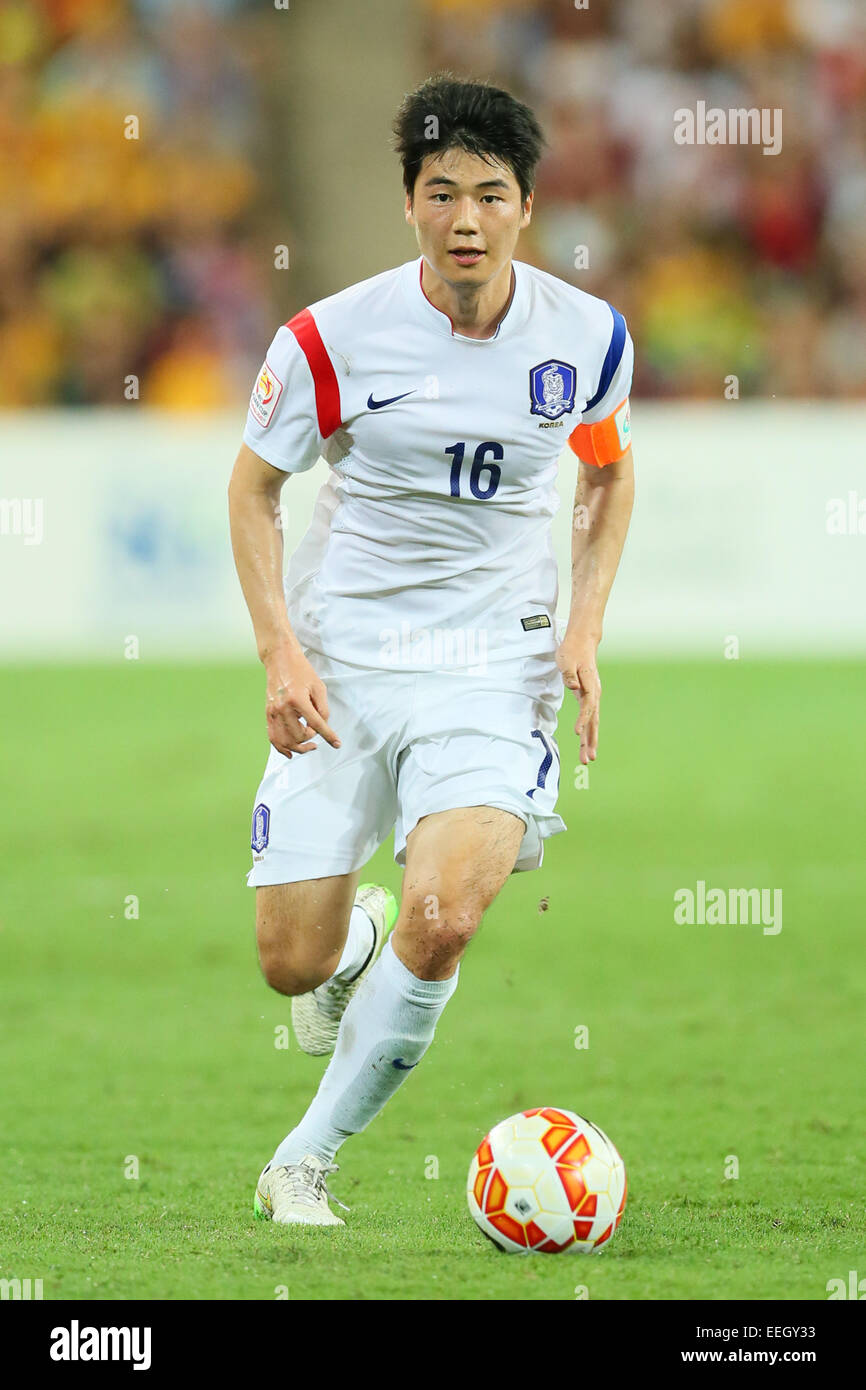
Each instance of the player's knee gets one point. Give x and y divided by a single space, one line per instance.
444 938
286 975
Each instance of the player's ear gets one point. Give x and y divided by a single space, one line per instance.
527 210
410 214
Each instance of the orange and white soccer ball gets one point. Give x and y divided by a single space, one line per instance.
547 1181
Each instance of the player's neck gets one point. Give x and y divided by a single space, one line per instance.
475 312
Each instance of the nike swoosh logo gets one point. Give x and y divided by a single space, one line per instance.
403 1066
377 405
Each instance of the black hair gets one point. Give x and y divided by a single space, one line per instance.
446 114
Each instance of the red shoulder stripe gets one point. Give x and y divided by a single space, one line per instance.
303 325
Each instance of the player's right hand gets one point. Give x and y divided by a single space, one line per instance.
295 694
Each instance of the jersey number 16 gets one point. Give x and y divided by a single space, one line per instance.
479 466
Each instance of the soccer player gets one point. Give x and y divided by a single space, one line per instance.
413 670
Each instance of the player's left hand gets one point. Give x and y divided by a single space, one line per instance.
576 659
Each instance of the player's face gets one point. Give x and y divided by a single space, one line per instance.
467 214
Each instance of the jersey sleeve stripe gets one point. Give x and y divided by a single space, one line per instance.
613 358
327 388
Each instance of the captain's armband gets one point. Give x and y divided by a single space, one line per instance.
605 441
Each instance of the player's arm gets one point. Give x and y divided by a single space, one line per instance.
602 510
294 691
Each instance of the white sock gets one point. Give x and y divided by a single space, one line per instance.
391 1019
359 944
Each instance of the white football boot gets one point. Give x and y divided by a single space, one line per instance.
295 1194
316 1016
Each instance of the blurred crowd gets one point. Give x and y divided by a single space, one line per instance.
725 261
125 257
147 252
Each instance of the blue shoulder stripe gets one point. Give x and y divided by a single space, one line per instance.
613 358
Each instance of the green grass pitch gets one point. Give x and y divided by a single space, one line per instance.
154 1038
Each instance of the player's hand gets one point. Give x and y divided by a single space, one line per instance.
576 659
296 693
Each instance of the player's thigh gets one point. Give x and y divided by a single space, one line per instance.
456 863
301 929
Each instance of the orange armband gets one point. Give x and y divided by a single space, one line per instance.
605 441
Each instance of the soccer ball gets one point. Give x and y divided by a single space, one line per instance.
547 1180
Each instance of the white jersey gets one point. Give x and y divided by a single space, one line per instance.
430 542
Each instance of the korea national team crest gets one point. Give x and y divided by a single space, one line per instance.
261 827
551 388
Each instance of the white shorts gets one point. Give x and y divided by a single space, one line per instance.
412 743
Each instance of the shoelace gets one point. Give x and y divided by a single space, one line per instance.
333 997
305 1185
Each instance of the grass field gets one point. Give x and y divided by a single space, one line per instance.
154 1037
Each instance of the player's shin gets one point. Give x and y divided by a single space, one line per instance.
386 1029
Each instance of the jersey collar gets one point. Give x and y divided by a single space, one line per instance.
434 318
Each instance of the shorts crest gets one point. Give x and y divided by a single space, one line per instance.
261 827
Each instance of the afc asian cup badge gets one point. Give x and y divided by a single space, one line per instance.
266 393
552 386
